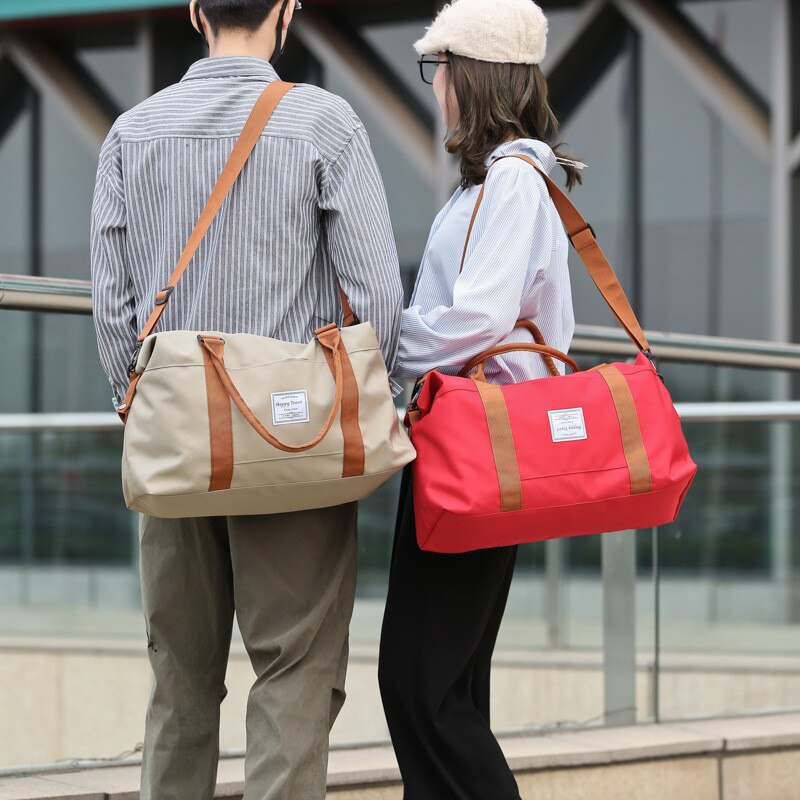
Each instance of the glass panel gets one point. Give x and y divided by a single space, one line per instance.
54 363
729 597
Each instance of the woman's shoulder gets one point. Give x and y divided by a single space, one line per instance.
511 160
511 174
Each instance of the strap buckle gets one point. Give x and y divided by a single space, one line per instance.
648 354
135 357
163 296
589 228
418 386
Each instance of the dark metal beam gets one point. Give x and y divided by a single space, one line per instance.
12 95
586 60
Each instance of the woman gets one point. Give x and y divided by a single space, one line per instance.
443 612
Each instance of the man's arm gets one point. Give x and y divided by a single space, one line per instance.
361 241
114 314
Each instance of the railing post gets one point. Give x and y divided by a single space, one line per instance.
619 627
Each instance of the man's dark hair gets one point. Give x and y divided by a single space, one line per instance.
232 14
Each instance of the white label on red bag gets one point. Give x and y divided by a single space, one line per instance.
289 408
567 424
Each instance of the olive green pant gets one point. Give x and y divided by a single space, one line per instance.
290 581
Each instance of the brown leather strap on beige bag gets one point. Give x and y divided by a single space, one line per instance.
331 339
220 419
584 241
251 133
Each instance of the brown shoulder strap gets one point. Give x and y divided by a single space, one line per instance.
584 241
254 127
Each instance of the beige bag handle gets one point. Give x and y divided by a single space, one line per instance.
583 240
331 340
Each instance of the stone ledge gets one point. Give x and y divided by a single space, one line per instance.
365 769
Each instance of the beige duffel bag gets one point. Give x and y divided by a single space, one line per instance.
228 424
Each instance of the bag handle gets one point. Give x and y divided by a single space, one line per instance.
583 240
330 338
512 347
538 337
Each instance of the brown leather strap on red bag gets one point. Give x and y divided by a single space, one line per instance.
502 441
512 347
538 337
584 241
632 443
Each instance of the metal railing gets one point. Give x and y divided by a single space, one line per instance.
765 411
19 292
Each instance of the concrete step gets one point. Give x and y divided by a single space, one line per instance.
745 758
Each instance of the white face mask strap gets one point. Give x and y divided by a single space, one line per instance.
280 42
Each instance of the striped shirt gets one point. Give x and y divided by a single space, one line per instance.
308 207
516 268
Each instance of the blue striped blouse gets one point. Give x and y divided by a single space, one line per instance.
516 268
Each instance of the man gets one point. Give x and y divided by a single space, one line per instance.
308 208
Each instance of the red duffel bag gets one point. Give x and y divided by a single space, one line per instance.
567 455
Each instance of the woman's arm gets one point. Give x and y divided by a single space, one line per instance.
511 232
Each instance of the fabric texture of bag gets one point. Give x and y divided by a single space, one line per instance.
228 424
566 455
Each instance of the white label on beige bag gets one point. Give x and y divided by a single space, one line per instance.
567 424
289 408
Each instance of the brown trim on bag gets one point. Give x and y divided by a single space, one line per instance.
632 444
123 412
538 337
512 347
502 439
220 420
354 457
330 338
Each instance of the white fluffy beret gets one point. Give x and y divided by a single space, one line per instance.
504 31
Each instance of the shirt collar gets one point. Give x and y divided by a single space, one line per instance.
541 151
244 67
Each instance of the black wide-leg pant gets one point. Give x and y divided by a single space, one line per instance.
443 612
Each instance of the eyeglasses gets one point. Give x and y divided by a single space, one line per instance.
428 66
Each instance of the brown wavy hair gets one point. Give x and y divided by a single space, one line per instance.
498 102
